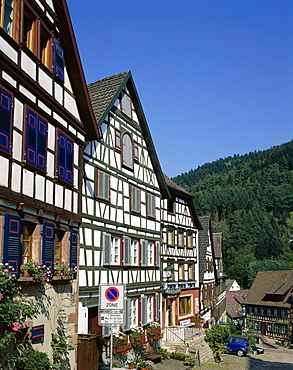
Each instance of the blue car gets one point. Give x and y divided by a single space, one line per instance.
237 345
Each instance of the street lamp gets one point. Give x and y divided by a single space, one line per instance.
168 271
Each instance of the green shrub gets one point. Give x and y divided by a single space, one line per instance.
33 360
215 337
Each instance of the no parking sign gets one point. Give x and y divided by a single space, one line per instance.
111 305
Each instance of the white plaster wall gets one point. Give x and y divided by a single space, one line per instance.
18 114
8 50
70 105
28 65
9 79
82 319
16 177
17 146
49 192
68 199
28 183
4 165
27 93
58 93
59 192
50 164
45 81
40 188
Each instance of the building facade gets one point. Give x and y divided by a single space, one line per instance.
268 305
43 129
180 251
122 190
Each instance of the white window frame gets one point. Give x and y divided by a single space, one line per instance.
126 105
133 312
180 238
113 255
150 308
151 253
134 250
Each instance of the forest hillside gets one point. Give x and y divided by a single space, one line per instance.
250 199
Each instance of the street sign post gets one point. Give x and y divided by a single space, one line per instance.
111 309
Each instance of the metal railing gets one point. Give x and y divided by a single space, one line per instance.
180 333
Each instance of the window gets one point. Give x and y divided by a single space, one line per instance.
7 15
150 309
151 205
283 314
103 185
6 102
36 140
184 306
135 199
269 312
127 159
151 253
190 239
255 310
171 236
134 252
275 312
180 238
45 47
133 312
136 152
27 239
112 247
64 158
262 311
181 271
29 35
118 141
171 205
126 105
191 271
58 246
173 274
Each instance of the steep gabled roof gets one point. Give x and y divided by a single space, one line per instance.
203 241
103 95
177 190
270 283
75 70
234 300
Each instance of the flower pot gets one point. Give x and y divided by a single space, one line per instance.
131 367
25 273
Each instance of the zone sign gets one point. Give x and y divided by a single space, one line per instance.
112 297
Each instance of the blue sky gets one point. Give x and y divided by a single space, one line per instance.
215 77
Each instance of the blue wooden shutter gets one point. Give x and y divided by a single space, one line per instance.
73 249
5 120
58 60
65 158
48 245
38 333
12 250
36 140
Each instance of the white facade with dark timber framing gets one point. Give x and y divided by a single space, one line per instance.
180 251
207 273
122 191
43 129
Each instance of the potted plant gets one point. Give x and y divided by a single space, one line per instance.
36 271
130 364
137 337
62 269
146 365
154 333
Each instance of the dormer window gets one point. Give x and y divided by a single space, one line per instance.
126 105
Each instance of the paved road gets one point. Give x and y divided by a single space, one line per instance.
275 359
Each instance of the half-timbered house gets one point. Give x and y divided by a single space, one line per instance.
207 272
268 305
180 252
43 129
122 190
